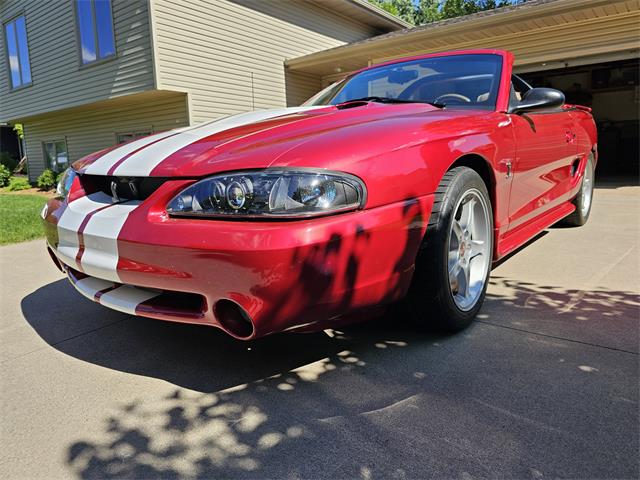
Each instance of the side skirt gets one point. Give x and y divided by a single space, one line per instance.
519 236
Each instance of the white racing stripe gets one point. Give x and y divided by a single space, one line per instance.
70 221
126 298
100 256
143 162
103 222
89 286
102 165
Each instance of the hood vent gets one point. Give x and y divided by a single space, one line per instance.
357 103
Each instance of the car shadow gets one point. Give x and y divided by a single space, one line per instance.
327 406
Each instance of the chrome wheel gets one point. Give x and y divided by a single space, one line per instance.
469 249
587 188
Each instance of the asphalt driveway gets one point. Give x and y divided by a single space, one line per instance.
544 384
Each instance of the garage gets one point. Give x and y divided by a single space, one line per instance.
611 90
589 49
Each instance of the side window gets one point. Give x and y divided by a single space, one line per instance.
56 156
95 30
519 88
15 34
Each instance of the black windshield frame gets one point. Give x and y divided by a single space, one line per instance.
470 80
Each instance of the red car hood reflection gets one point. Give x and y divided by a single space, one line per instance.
272 138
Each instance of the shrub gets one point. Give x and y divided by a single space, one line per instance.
18 183
5 176
8 161
46 180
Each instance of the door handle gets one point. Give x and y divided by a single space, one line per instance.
570 136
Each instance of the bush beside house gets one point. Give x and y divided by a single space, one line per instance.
47 180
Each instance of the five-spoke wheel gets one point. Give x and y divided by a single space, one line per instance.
468 249
452 270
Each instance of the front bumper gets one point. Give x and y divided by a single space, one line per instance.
134 258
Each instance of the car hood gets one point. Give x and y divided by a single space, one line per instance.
322 137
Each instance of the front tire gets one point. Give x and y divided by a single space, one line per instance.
454 261
584 199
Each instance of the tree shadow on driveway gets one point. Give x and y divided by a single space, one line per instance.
378 400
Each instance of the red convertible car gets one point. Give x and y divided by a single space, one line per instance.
402 181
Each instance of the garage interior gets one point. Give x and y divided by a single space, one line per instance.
611 89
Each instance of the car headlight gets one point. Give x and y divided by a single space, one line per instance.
270 193
64 185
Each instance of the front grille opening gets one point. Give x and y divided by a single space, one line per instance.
124 188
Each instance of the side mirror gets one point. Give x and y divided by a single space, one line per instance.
539 98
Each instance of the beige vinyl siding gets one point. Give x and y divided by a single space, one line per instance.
59 79
537 32
94 127
229 55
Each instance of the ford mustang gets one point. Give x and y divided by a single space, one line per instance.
404 181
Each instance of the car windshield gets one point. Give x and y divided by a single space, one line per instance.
455 81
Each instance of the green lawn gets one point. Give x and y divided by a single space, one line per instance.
20 217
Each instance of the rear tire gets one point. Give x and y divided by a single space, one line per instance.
454 261
584 199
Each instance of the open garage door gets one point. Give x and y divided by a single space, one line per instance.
611 89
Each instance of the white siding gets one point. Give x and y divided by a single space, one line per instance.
94 127
59 80
229 54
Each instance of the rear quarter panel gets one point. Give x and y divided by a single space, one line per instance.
586 132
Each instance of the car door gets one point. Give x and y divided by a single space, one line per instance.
545 151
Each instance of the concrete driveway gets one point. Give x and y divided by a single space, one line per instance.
544 384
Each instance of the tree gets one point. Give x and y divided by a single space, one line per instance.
419 12
427 11
404 9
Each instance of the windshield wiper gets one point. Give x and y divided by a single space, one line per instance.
392 100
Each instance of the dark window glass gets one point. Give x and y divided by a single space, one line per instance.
18 52
127 137
95 27
458 81
56 156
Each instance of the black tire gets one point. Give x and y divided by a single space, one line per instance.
430 301
583 202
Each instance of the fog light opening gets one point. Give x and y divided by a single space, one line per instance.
233 318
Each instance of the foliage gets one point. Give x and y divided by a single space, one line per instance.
20 217
419 12
47 180
5 175
8 161
18 183
19 130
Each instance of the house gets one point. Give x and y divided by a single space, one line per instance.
83 75
587 48
91 73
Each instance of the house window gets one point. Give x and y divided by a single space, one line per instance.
95 29
127 137
15 34
56 156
